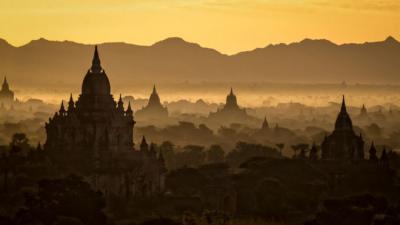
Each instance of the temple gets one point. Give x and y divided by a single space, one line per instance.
95 133
154 109
6 95
343 143
231 112
265 125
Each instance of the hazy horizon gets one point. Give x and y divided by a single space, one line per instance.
236 25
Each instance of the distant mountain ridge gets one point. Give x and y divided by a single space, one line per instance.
52 63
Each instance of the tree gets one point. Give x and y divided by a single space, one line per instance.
280 146
271 197
193 155
59 199
215 154
21 141
167 149
302 148
313 152
185 181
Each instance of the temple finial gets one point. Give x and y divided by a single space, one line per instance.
5 84
71 104
62 108
231 91
143 145
154 89
343 108
96 67
129 110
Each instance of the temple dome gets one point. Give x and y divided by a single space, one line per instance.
96 84
96 81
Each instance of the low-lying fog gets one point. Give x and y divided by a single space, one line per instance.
296 113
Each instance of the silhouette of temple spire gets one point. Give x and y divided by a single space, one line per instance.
265 124
120 103
129 110
71 104
96 66
154 99
343 108
143 145
5 85
62 108
343 121
154 89
231 101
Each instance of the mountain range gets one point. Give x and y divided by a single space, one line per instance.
53 63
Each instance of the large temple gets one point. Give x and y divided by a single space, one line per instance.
95 133
343 143
6 95
154 110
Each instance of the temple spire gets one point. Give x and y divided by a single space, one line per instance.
129 110
265 124
96 67
5 84
62 108
343 109
71 104
144 146
154 89
120 104
231 91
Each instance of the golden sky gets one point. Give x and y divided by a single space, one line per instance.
229 26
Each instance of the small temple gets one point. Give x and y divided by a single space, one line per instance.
231 112
154 109
6 94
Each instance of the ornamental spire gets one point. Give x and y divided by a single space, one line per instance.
120 104
62 108
96 67
5 84
144 146
71 104
343 109
154 89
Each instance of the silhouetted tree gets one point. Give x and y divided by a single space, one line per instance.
193 155
245 151
302 148
185 181
20 141
160 221
280 146
215 154
313 152
60 199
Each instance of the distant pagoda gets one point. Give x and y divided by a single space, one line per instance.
231 112
6 95
154 109
343 143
